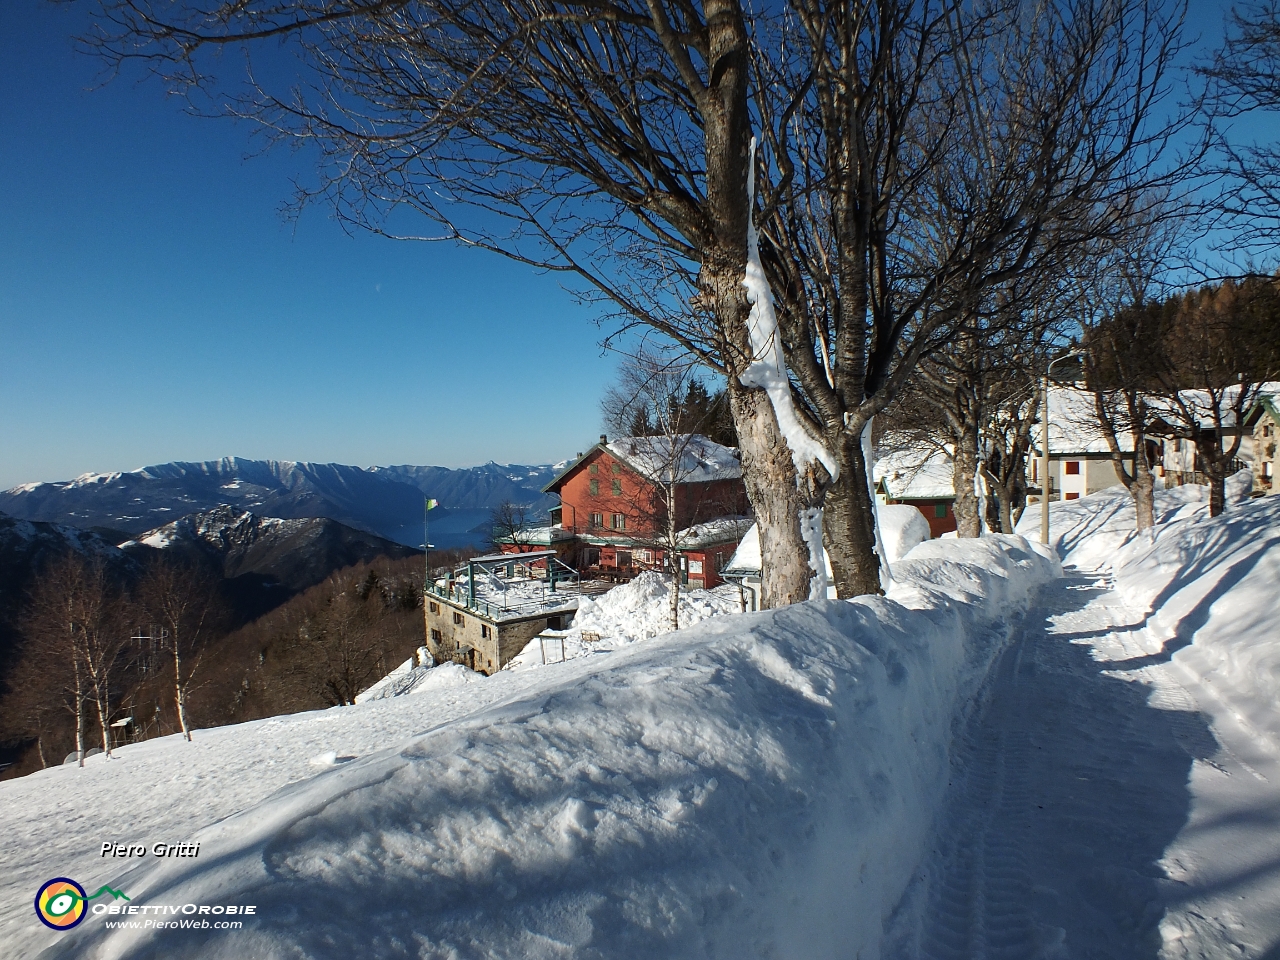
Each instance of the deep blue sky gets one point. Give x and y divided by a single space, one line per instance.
154 306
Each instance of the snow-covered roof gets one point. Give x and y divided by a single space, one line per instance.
746 559
538 535
686 458
1074 426
719 530
914 474
697 459
1199 404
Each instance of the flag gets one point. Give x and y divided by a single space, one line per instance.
432 504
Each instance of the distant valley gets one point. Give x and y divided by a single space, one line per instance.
386 501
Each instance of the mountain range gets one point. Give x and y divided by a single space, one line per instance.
386 501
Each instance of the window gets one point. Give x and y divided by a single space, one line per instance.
619 522
624 558
594 468
435 636
939 510
1266 469
484 630
433 607
459 619
695 566
617 488
617 468
719 562
595 488
1073 468
597 520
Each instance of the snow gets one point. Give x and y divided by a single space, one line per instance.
746 559
24 488
901 525
718 791
912 474
696 459
711 532
633 611
991 754
768 370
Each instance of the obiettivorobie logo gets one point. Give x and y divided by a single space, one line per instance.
61 902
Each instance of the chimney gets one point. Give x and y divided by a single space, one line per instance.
604 438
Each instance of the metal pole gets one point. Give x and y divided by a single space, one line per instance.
1044 462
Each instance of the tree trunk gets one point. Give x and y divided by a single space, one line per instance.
770 478
673 554
104 715
180 690
1143 490
1217 493
849 522
767 468
40 750
1005 510
79 713
967 509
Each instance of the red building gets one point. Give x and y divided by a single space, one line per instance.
612 522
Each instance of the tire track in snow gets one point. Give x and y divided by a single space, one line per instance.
1066 787
976 902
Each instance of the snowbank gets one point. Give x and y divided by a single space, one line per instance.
756 785
902 526
1212 590
637 610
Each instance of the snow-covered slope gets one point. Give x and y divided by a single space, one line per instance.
292 553
756 785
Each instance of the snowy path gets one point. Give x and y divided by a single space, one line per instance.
1101 805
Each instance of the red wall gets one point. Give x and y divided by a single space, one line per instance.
937 525
640 500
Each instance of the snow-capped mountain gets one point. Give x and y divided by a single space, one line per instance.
288 554
386 501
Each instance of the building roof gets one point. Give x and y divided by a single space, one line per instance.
1074 427
916 474
1200 405
537 536
689 458
1268 404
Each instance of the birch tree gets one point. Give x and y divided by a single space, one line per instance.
183 604
652 390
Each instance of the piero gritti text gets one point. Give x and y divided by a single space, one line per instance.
156 850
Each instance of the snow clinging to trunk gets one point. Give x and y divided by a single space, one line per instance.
869 459
768 370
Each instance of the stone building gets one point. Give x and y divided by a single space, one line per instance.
487 611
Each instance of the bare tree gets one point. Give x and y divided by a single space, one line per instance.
1244 77
602 140
978 390
74 627
1218 347
652 390
913 154
183 603
509 523
941 151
